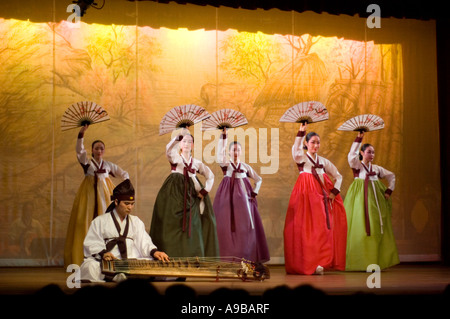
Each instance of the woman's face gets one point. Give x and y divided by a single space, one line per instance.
235 151
98 150
313 145
368 154
186 144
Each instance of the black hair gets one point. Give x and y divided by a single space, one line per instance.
308 137
363 148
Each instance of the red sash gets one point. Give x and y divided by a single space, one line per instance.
366 192
187 194
99 170
233 177
325 195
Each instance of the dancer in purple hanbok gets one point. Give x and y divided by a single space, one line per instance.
239 227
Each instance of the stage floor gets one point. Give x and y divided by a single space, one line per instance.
406 290
404 279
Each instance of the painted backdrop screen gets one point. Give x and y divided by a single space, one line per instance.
139 60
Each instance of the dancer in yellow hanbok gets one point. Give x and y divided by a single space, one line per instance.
92 198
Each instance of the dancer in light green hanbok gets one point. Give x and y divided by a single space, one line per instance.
368 206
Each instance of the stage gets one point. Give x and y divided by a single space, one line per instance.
418 287
402 279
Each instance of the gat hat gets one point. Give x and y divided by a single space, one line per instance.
123 191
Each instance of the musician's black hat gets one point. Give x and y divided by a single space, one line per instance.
123 191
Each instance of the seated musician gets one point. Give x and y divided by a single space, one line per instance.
117 235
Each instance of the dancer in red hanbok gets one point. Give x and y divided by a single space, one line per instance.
315 231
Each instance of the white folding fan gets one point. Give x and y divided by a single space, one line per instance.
224 118
182 116
365 122
310 112
82 113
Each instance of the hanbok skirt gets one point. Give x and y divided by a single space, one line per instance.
180 234
308 241
83 213
378 248
248 239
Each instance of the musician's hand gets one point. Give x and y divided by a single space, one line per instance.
160 255
109 256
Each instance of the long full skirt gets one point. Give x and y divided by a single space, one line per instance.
308 241
179 234
82 215
248 239
378 248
